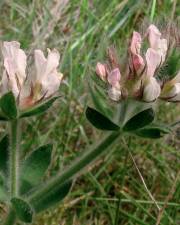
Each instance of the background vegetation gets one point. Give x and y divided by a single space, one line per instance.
111 192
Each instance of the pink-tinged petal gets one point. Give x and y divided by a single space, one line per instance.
9 49
15 66
40 64
114 93
52 60
114 77
151 90
52 83
153 60
154 36
138 62
12 51
135 47
136 40
158 44
101 71
46 71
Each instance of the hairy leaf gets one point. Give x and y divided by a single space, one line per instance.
140 120
4 144
35 166
23 210
8 105
100 121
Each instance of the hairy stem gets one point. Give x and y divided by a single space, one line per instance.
13 166
76 167
14 157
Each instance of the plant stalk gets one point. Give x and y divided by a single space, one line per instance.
14 157
13 167
81 163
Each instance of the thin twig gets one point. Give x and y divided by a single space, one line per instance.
142 179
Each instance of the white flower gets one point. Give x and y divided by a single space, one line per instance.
15 66
151 90
153 60
114 93
156 43
35 87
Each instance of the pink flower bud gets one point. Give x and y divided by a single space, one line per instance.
135 47
101 71
114 77
136 40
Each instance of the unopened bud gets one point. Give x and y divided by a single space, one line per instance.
114 77
101 71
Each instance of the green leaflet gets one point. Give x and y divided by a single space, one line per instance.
34 167
140 120
100 121
23 210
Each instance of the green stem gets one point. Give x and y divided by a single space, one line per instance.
13 166
77 166
14 157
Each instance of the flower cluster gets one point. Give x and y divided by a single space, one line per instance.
29 89
139 79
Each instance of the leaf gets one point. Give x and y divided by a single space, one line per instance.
140 120
100 121
51 198
23 210
35 167
99 101
8 105
39 109
4 144
153 131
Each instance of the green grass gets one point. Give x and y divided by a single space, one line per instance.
111 191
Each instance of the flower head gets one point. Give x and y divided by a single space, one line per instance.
139 78
35 87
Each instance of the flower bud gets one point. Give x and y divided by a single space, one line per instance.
101 71
151 90
114 77
135 47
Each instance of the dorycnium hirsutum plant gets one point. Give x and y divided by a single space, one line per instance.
149 72
134 86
